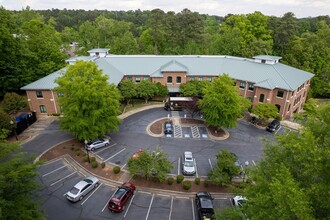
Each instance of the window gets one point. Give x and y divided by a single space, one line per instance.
129 78
191 79
137 79
39 94
169 79
234 83
42 109
97 53
261 98
200 78
289 107
178 79
249 98
263 61
209 79
60 94
251 86
242 85
280 94
146 78
278 107
304 94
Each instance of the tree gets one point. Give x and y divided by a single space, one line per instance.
150 164
128 90
18 184
293 176
224 170
5 121
13 102
146 89
161 90
189 88
192 106
265 111
221 104
90 104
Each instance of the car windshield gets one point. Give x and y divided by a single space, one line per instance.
120 192
168 125
74 191
88 181
188 164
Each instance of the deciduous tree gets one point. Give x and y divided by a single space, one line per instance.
13 102
90 104
265 111
128 90
146 90
221 104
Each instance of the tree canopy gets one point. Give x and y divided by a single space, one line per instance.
89 103
221 104
18 199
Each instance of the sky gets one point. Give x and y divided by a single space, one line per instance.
301 8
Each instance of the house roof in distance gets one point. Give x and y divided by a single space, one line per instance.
265 75
99 50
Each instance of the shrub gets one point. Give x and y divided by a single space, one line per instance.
135 177
103 165
179 178
93 159
206 183
77 149
78 153
170 180
186 184
84 154
116 169
72 148
94 164
197 180
85 158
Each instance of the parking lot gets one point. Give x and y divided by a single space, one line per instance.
58 177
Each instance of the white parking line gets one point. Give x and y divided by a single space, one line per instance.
124 166
163 195
278 129
106 148
101 158
47 163
129 206
91 194
192 206
169 217
114 155
254 163
195 165
149 193
106 204
152 198
179 166
210 164
53 171
181 197
62 178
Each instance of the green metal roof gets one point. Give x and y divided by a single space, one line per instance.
268 76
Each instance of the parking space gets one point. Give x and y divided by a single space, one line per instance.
193 131
183 208
186 132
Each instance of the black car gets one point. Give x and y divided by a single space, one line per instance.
273 126
168 127
204 203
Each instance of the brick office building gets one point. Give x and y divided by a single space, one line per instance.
262 79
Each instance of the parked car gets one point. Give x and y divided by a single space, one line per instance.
137 154
168 127
118 201
239 200
81 189
97 143
188 164
237 161
204 204
273 126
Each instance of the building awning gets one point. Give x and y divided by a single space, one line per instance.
175 89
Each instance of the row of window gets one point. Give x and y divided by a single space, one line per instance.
301 87
243 84
138 79
40 95
296 100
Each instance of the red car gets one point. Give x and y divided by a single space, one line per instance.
119 199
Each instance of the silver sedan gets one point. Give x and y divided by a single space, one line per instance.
82 188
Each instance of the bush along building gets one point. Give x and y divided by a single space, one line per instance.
261 79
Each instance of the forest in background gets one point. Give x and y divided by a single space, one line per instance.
34 43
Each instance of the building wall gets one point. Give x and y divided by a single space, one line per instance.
289 103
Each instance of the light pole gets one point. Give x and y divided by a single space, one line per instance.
246 165
89 161
13 129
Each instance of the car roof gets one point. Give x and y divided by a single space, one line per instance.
206 202
187 154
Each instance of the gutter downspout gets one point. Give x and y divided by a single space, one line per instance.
286 99
54 102
246 88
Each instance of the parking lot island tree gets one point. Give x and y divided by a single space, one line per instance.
18 198
150 164
89 103
224 170
221 104
265 111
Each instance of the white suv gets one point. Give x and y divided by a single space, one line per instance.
188 164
